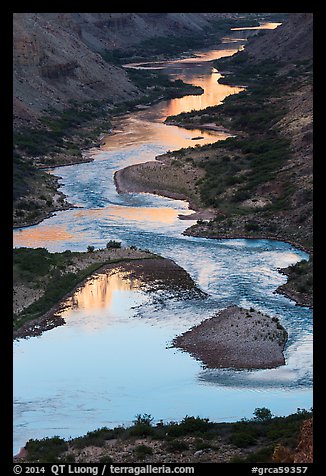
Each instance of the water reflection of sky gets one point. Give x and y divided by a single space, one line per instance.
112 359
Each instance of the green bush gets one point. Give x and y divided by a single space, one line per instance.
176 446
263 455
142 426
113 244
95 438
106 459
263 414
190 426
47 450
252 226
142 451
242 439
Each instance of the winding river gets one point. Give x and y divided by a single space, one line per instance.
112 359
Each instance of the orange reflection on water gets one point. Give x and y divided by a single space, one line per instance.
99 292
214 94
263 26
142 214
207 56
40 235
141 130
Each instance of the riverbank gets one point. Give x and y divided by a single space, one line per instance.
166 178
44 281
299 286
263 439
173 175
236 338
257 183
66 138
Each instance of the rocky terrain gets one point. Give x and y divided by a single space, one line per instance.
58 57
236 338
263 439
53 65
303 453
290 42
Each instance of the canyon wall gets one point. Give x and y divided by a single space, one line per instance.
57 56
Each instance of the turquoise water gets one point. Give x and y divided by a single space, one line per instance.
113 360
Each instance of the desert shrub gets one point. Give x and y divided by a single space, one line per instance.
113 244
142 426
142 451
190 425
176 446
263 455
242 439
47 450
263 414
252 226
202 445
106 459
94 438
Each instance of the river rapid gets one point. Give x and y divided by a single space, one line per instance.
112 360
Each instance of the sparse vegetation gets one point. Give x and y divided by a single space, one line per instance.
113 244
257 437
300 282
156 83
169 46
54 275
142 451
47 450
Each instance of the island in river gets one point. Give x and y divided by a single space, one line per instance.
236 338
43 282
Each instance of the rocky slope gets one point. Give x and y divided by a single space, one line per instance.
53 65
64 91
57 56
291 41
303 453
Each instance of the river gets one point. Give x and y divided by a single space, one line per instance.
112 359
